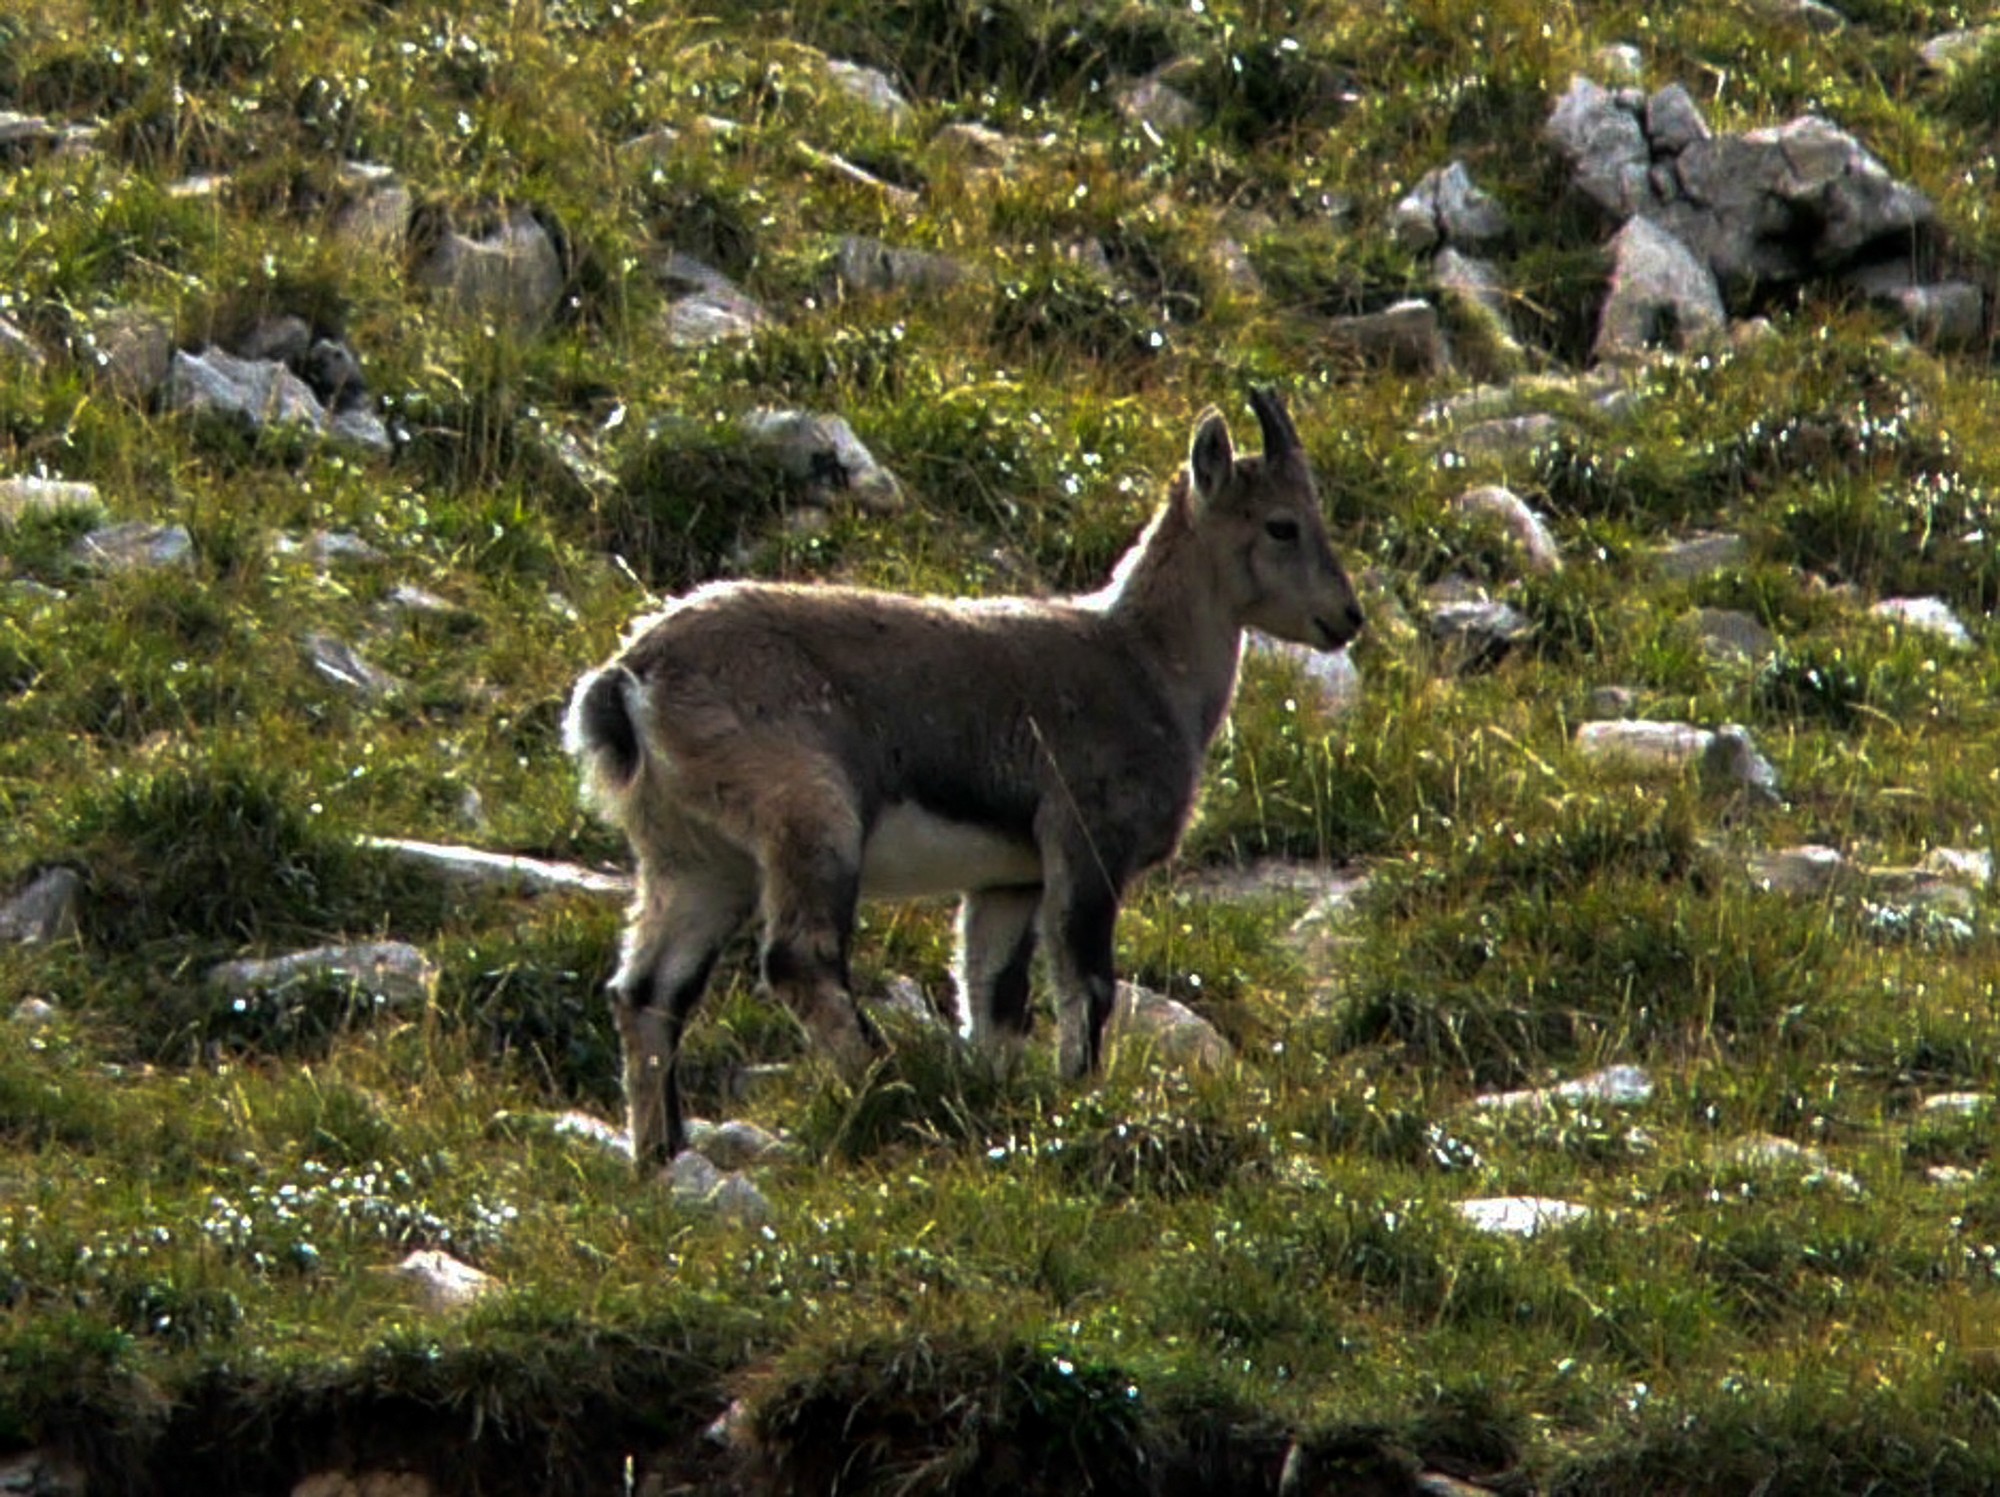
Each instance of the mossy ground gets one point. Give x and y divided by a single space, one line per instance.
970 1286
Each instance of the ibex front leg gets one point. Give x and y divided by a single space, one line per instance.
1079 918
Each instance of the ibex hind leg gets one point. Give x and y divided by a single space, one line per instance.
996 953
679 928
812 880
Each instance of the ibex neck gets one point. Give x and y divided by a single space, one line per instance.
1168 591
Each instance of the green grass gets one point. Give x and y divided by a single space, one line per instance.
973 1282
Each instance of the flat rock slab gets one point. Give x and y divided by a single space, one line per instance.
698 1184
1521 1216
45 910
1168 1028
343 665
46 496
394 971
1725 757
1502 506
499 870
134 546
1931 616
442 1281
1701 555
1616 1086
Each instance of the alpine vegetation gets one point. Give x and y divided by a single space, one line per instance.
788 750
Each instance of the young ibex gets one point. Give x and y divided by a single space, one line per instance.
791 749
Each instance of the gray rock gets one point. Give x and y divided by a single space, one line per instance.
375 221
45 496
1332 674
1768 1153
334 373
869 86
1446 209
512 273
1473 280
1971 866
1674 121
1957 1104
869 265
1931 616
131 351
840 166
1733 761
1521 1216
735 1144
700 320
1808 869
656 147
1727 634
1953 49
1512 438
1660 294
1643 744
342 664
593 1130
280 340
1605 143
979 146
1158 106
1476 302
394 973
263 391
23 136
1780 204
1614 1086
707 306
501 871
823 452
442 1281
325 547
1606 702
1814 15
134 545
1700 555
1498 503
43 1473
1477 630
1946 315
33 1013
1406 337
1167 1029
45 910
698 1185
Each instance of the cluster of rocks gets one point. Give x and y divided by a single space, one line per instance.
1709 220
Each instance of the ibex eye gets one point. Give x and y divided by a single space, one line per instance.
1282 529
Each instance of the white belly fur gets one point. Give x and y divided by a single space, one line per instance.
912 853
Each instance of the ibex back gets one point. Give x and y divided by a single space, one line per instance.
789 750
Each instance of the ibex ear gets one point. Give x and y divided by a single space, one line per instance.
1211 455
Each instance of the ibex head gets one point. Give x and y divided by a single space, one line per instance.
1262 519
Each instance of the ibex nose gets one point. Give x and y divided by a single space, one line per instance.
1355 618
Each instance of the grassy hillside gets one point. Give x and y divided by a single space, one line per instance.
1788 1279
